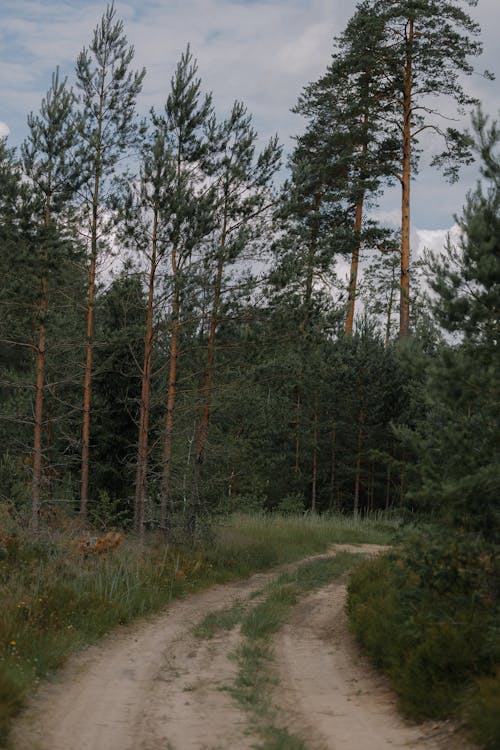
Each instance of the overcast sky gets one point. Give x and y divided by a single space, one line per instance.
259 51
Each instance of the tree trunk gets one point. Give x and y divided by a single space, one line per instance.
404 312
40 382
358 226
87 380
353 276
87 392
332 464
145 408
297 434
313 246
172 392
315 456
402 479
208 379
357 483
39 394
388 488
371 493
390 306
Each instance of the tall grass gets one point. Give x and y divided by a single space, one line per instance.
55 600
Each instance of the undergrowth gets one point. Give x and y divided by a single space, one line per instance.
429 614
57 599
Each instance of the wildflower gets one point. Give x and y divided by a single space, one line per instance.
12 643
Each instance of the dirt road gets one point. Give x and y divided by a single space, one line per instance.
154 686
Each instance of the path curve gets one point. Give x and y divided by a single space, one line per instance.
154 686
331 696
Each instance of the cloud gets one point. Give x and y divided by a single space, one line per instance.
261 52
4 130
435 239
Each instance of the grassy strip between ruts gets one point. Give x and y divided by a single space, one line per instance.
255 679
56 601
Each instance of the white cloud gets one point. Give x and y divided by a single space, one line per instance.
4 130
435 239
261 52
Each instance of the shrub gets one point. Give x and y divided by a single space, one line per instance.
427 614
481 711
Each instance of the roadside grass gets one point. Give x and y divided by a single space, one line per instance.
255 679
263 541
55 600
428 614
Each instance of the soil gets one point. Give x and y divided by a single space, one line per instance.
155 686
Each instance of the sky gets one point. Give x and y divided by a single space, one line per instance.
261 52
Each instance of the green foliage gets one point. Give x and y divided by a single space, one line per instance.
105 513
481 711
292 504
459 470
428 615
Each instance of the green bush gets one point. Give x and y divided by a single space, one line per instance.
481 711
428 615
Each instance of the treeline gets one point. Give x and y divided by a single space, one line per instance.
221 366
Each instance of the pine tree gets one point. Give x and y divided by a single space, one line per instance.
145 212
427 48
49 162
242 181
344 109
189 219
107 128
16 305
458 443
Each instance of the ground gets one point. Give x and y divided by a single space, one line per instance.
156 686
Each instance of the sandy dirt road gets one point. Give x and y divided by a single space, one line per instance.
154 686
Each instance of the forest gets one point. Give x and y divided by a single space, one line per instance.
194 323
178 337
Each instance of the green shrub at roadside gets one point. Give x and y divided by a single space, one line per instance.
428 615
481 711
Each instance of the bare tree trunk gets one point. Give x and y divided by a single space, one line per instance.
388 488
404 313
315 456
87 390
208 379
402 481
40 383
353 276
172 392
371 494
357 483
313 246
332 464
145 408
297 434
87 380
39 395
390 306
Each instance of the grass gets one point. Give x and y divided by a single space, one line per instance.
56 601
225 619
